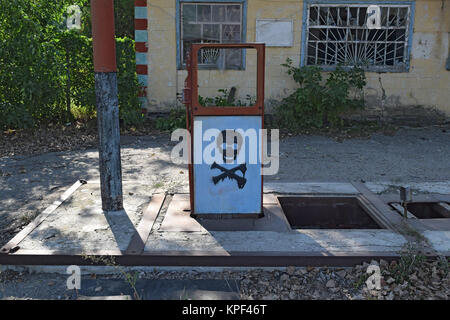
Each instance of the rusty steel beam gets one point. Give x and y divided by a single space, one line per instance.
199 258
137 243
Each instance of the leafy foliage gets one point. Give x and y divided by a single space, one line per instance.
177 116
224 99
123 18
317 102
40 60
30 63
175 120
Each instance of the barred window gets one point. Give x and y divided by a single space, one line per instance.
340 34
212 23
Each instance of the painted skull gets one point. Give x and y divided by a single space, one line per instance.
229 143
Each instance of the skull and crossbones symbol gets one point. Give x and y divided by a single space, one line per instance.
230 174
229 148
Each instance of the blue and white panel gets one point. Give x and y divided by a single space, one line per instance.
227 188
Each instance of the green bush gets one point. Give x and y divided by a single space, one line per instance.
31 66
123 18
37 58
175 120
82 85
318 103
226 99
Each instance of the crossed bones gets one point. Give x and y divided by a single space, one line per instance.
230 174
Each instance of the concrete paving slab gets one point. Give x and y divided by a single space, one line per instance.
439 187
266 241
309 187
439 240
79 224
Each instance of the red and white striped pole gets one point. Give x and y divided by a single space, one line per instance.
141 44
105 69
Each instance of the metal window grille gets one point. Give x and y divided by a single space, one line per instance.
212 23
338 34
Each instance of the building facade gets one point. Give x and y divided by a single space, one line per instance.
404 46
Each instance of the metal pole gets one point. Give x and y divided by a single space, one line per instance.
107 103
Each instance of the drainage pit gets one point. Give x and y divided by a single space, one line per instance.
425 210
326 213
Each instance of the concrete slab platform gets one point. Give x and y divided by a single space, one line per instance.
80 224
79 232
301 241
440 241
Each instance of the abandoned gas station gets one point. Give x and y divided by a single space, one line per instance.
228 216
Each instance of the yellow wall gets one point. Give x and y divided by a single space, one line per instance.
427 83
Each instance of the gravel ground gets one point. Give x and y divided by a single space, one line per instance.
410 278
29 182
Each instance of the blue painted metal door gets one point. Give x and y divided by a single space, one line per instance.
227 188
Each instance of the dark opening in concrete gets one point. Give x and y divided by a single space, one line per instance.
326 213
426 210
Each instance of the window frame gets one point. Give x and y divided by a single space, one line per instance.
179 56
372 68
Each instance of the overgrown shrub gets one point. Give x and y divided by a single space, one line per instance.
31 66
123 18
82 82
38 56
175 120
317 102
226 98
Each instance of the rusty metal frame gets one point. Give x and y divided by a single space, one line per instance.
197 258
256 109
193 107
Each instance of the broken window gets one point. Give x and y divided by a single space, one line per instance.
340 34
212 23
